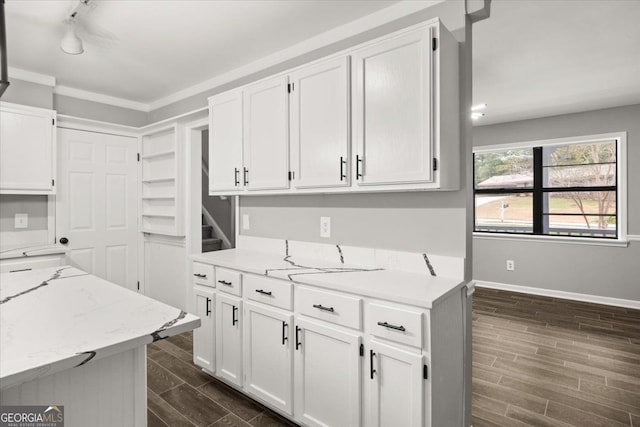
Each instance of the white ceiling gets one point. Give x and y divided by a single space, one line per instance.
144 50
544 58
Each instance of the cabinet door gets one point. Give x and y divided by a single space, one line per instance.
392 111
320 124
27 150
225 142
395 385
266 135
327 375
268 356
203 337
229 338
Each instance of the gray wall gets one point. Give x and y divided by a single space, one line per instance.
587 269
97 111
34 206
27 93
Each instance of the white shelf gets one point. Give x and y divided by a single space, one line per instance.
159 154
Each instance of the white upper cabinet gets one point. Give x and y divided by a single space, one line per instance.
392 110
266 135
27 150
225 142
320 124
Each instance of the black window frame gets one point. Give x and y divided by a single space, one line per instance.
538 191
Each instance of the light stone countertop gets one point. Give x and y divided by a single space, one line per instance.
422 290
31 251
58 318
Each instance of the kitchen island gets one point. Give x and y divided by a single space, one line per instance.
70 338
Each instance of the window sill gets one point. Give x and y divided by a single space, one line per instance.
552 239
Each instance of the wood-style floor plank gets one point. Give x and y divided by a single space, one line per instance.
581 359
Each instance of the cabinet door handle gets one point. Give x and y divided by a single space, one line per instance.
371 356
343 163
284 336
323 308
224 282
260 291
236 176
234 318
358 166
208 306
390 326
202 276
298 343
245 176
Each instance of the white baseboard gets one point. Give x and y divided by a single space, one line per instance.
596 299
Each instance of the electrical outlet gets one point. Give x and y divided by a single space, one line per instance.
511 265
325 226
246 225
21 220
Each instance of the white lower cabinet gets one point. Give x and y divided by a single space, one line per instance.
395 386
203 337
229 338
327 375
268 355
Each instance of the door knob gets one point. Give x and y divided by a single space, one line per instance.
64 240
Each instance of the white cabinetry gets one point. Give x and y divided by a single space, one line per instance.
266 135
203 337
268 358
161 180
320 124
229 338
27 150
225 142
395 386
327 375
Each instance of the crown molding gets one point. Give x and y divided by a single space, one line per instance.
101 98
350 29
30 76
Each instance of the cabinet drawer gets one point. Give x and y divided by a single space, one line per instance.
268 291
203 274
400 324
229 281
331 307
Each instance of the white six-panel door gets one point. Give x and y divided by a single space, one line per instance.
96 204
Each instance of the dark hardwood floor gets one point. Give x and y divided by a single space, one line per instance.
537 361
541 361
179 394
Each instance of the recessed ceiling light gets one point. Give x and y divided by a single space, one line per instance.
478 107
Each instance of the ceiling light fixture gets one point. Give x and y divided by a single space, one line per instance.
478 107
475 111
71 43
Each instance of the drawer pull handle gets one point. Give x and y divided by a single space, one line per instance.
298 343
260 291
284 337
202 276
234 318
390 326
224 282
371 356
323 308
208 307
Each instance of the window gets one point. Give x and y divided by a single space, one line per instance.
552 188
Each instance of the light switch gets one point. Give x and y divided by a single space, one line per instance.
245 222
21 220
